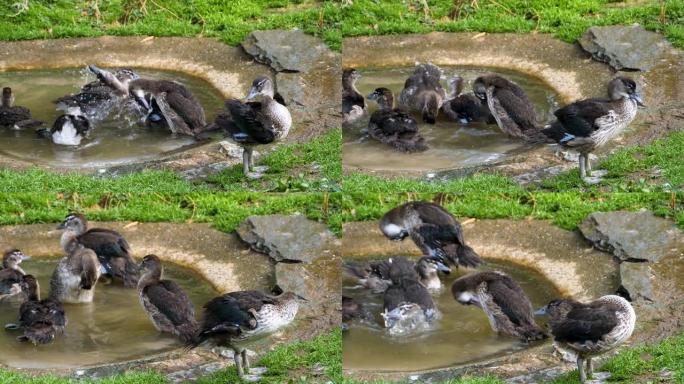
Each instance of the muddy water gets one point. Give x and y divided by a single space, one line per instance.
120 138
452 145
112 328
462 334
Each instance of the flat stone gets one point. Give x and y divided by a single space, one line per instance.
285 50
635 280
625 47
290 238
635 236
293 88
232 150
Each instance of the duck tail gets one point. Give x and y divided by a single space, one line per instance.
467 257
554 132
189 334
40 333
533 333
43 133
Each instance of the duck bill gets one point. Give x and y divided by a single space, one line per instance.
443 267
637 97
61 226
543 311
253 93
25 258
302 298
373 96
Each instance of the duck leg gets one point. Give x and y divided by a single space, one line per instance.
582 164
251 159
237 356
590 369
580 368
245 360
246 155
587 165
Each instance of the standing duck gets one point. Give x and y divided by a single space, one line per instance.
433 229
12 287
15 117
423 92
394 126
40 320
262 119
69 129
588 124
96 98
507 306
165 302
111 248
590 329
74 279
233 319
353 103
465 107
508 103
407 303
167 101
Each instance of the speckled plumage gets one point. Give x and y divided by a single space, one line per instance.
76 275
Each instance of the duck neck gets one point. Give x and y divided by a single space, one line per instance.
33 291
69 237
150 277
386 102
7 98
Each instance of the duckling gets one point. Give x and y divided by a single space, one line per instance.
111 248
235 318
423 92
433 229
375 275
407 304
96 98
350 308
590 329
508 308
353 103
15 117
74 279
369 276
508 103
588 124
394 126
465 107
180 110
41 320
12 287
69 129
261 120
165 302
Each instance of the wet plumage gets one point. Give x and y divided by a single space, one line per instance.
394 126
508 103
353 103
12 287
76 275
423 92
375 275
40 321
14 116
68 129
465 107
407 304
506 305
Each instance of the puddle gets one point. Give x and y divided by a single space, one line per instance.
452 145
119 139
113 328
462 334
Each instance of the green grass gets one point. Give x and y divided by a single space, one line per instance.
9 377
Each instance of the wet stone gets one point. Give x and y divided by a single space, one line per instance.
634 236
233 150
291 51
289 238
635 280
625 47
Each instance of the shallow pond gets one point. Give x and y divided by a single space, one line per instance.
461 335
452 145
118 139
112 328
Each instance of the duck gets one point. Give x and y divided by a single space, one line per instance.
233 319
40 320
508 308
262 119
423 92
167 102
508 103
353 103
74 279
407 304
375 275
97 97
590 329
465 107
591 123
433 229
111 248
350 308
14 116
68 129
394 126
165 302
12 287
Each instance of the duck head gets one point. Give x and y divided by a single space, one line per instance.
120 80
383 97
7 97
151 269
13 258
261 86
430 108
480 89
428 266
74 222
623 87
350 76
463 290
556 309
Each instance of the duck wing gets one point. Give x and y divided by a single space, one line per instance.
415 292
187 107
169 299
351 99
584 324
113 252
246 124
8 278
12 115
227 315
580 118
507 295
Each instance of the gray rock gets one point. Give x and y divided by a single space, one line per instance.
298 279
289 238
292 87
633 236
232 150
635 280
624 47
292 51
